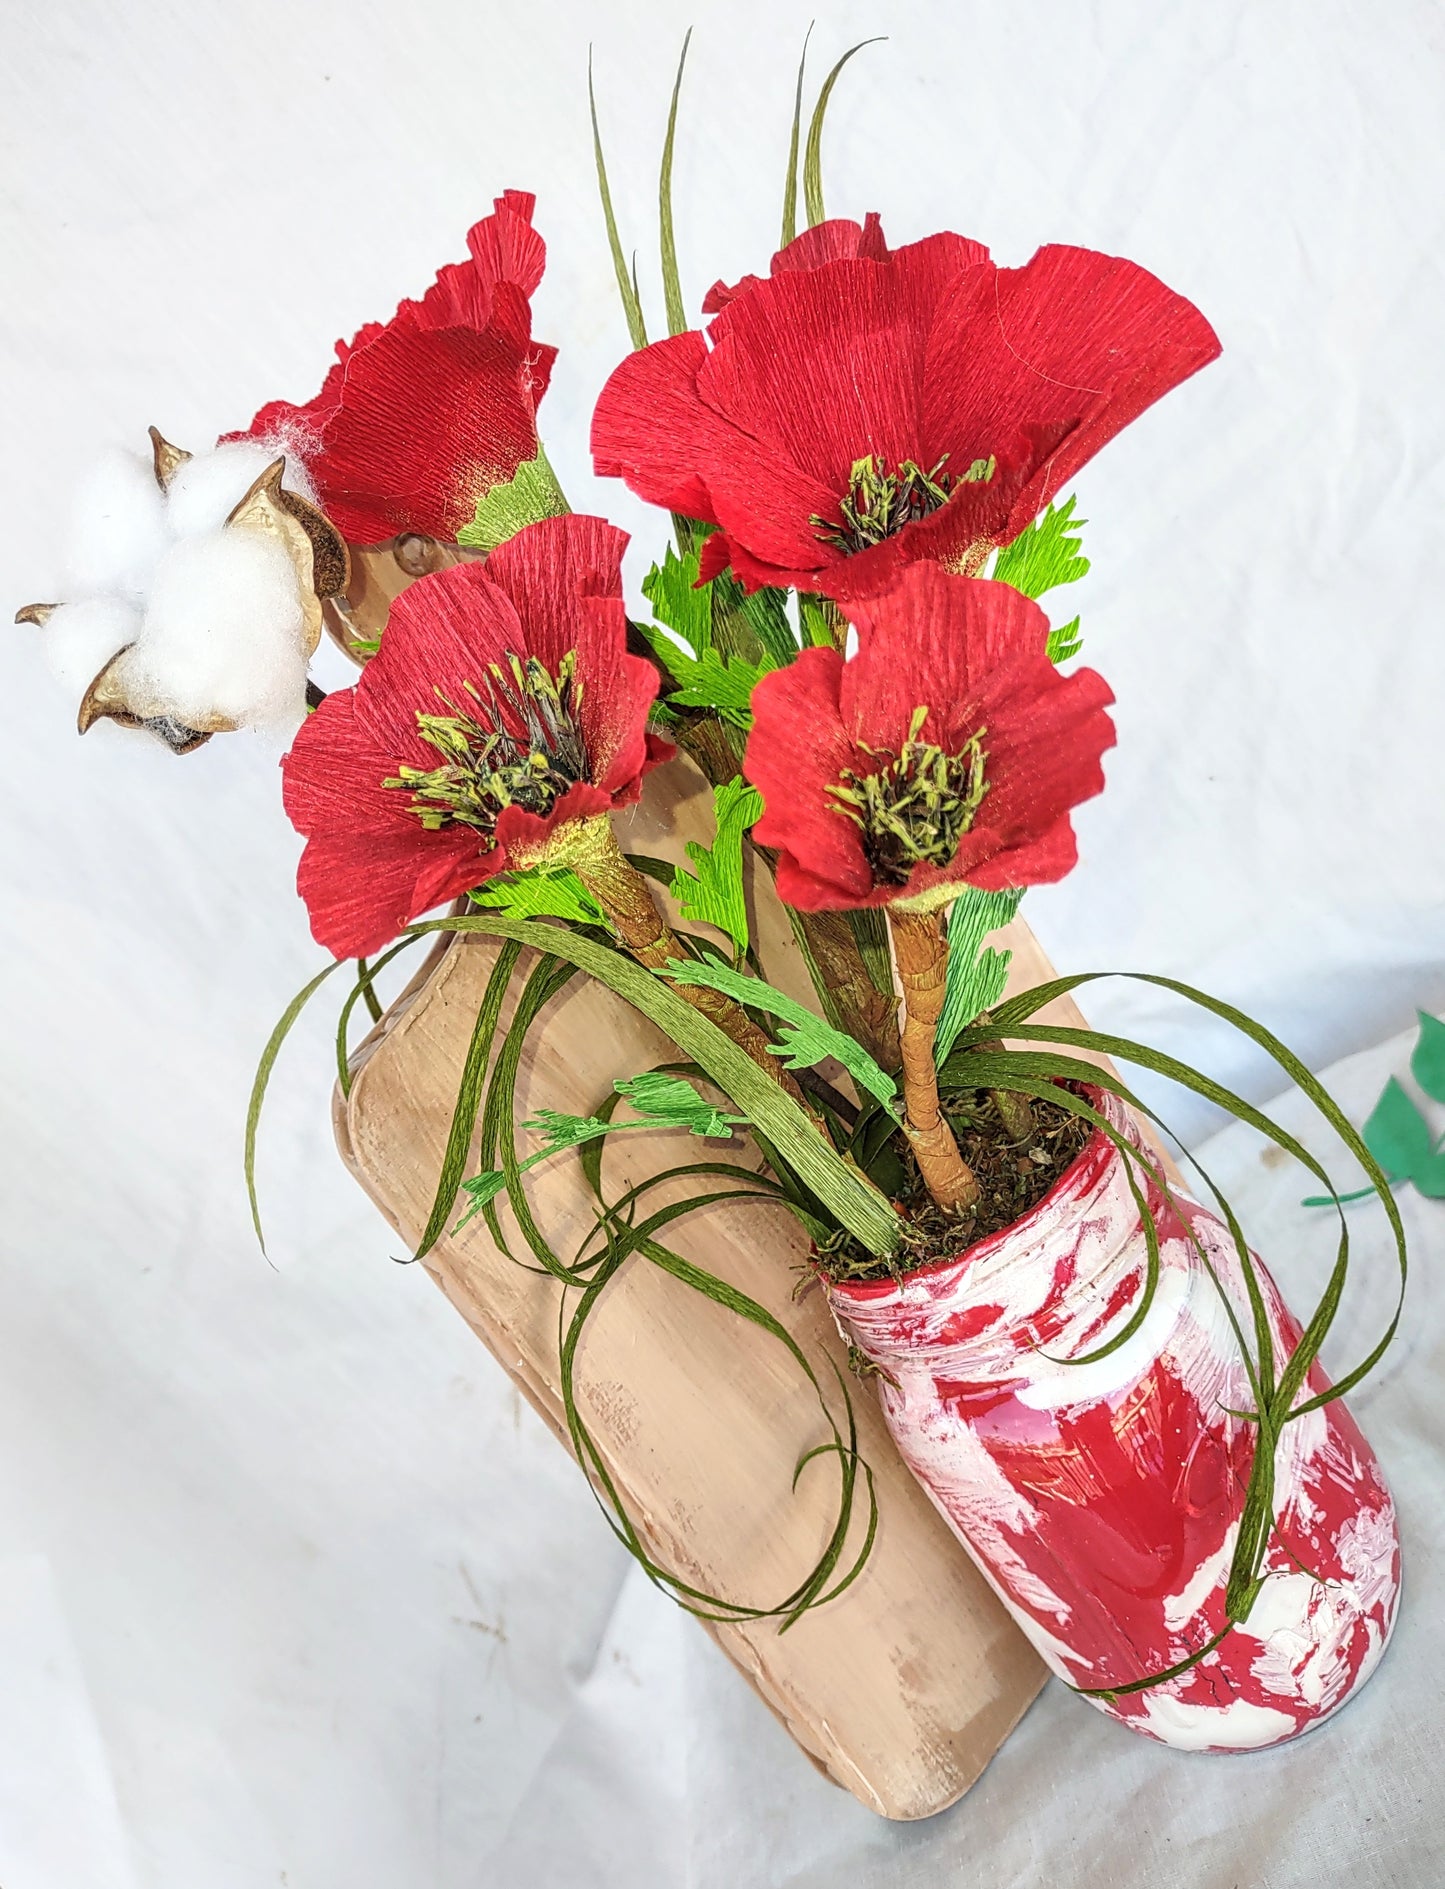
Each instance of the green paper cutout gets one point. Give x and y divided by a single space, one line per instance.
1397 1134
805 1039
976 973
713 894
1427 1065
535 894
1045 554
1064 642
531 495
662 1102
706 677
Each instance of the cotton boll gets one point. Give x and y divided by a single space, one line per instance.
223 635
80 639
207 488
118 528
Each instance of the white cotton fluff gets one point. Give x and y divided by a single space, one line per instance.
207 488
117 528
80 639
223 633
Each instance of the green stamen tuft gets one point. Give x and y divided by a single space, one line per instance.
879 503
485 766
917 807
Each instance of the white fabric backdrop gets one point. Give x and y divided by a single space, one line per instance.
290 1588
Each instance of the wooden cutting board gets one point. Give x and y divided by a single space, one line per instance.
901 1689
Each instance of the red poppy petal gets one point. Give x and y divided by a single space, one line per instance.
651 429
505 247
797 750
369 867
394 461
836 239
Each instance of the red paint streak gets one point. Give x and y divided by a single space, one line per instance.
1107 1519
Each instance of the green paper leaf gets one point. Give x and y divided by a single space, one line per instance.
1399 1137
1045 554
805 1039
722 683
531 495
713 894
670 588
536 894
1064 642
976 973
1427 1065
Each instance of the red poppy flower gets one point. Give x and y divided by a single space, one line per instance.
423 414
948 750
501 704
863 408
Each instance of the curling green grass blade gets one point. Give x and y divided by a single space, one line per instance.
363 987
790 185
671 282
813 156
626 283
866 1212
263 1076
469 1097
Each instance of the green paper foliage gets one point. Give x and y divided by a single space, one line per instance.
976 972
662 1102
732 640
531 495
1065 641
713 893
805 1040
1045 554
537 894
1397 1134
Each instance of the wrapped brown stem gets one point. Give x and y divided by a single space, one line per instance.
921 955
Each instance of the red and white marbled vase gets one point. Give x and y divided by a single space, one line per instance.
1102 1500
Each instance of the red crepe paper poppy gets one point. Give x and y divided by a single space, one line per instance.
501 704
423 414
948 751
861 409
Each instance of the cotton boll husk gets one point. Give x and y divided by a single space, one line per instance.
207 488
117 529
223 633
80 639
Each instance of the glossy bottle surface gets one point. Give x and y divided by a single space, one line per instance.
1102 1500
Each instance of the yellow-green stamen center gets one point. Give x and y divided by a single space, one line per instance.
879 503
916 808
515 741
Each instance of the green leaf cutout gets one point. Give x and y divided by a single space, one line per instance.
662 1101
976 972
713 894
536 894
1064 642
790 182
531 495
1045 554
1427 1065
805 1039
707 678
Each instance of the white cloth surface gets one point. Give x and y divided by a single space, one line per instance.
293 1590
